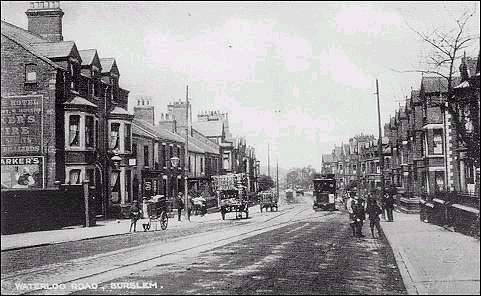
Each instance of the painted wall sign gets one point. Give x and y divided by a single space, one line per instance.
22 125
23 172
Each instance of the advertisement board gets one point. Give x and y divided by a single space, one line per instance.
23 172
22 125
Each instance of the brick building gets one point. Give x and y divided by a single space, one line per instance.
64 115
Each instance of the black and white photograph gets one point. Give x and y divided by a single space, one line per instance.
240 147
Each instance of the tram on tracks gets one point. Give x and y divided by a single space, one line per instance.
324 192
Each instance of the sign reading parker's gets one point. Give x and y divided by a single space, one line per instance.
22 125
22 172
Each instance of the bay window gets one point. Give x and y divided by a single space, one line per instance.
74 130
115 135
89 131
127 137
115 186
74 176
438 141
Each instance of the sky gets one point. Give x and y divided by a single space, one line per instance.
298 77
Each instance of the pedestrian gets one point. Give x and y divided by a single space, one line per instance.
373 210
383 205
180 205
359 214
135 215
190 206
352 220
389 200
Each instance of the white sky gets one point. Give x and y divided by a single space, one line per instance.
316 62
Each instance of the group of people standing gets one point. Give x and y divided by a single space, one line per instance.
193 204
374 208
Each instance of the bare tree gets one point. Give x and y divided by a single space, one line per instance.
446 47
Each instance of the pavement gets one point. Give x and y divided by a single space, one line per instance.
103 228
432 259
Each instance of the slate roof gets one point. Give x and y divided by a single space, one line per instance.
80 101
120 111
55 49
107 64
166 135
87 56
327 158
20 35
212 128
436 84
24 38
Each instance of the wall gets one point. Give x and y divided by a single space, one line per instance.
13 61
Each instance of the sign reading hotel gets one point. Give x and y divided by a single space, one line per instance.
22 125
22 172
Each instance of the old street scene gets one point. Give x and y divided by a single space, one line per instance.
271 148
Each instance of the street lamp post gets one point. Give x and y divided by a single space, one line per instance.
174 161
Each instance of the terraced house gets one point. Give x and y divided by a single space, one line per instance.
64 114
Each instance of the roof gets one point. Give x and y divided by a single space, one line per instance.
212 128
203 146
436 84
327 158
87 56
55 49
120 111
80 101
158 131
21 35
24 38
107 64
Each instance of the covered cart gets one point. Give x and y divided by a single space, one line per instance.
231 194
268 199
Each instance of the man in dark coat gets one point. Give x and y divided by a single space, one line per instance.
359 214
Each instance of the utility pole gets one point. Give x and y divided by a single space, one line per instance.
379 143
277 177
268 160
186 161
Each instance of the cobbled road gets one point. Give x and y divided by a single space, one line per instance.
293 251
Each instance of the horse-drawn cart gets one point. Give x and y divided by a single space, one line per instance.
268 199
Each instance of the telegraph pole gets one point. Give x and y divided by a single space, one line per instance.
186 161
379 143
268 160
277 177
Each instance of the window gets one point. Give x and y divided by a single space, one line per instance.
146 156
128 185
127 135
164 186
30 73
115 187
189 164
74 176
91 177
134 151
171 153
439 178
114 136
201 165
89 131
163 156
438 141
74 130
72 76
97 135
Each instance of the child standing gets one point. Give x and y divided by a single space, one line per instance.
135 214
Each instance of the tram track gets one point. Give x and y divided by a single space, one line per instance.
116 270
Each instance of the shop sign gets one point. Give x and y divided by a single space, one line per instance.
23 172
22 125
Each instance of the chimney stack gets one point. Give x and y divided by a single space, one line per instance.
45 19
